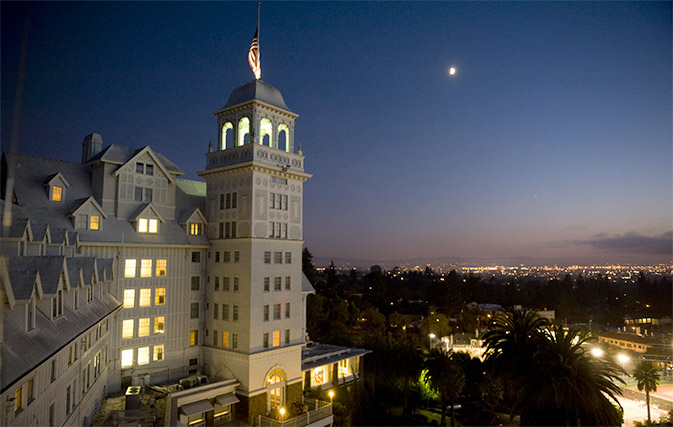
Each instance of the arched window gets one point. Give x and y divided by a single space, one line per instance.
243 131
265 132
227 136
275 387
283 138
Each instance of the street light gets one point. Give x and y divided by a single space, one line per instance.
282 413
597 352
432 337
331 395
623 359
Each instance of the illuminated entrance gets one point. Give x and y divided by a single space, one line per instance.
275 387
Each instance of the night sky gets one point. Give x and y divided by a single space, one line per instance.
552 141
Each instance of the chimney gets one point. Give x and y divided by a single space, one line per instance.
92 145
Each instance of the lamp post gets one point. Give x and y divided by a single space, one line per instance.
282 413
432 337
623 359
331 396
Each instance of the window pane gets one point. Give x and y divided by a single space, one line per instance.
142 225
144 327
161 267
154 226
127 358
159 296
143 355
158 352
94 222
159 325
127 328
145 297
146 268
129 298
57 193
130 268
276 338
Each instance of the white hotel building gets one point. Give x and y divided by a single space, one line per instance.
116 272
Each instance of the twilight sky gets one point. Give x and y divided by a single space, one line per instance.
552 141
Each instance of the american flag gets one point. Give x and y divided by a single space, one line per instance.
253 56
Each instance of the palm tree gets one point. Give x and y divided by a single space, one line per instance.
648 378
549 377
446 377
567 385
408 364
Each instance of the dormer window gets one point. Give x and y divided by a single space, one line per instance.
144 168
57 193
194 228
87 222
148 225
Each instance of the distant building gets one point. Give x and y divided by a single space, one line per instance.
116 272
637 343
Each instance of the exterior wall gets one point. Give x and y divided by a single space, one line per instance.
176 312
85 399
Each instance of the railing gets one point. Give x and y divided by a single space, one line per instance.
317 411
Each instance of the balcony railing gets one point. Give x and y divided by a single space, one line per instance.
317 410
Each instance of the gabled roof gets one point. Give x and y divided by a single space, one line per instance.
59 236
49 267
147 150
191 215
143 209
121 154
87 265
53 180
86 201
40 232
104 269
19 227
24 284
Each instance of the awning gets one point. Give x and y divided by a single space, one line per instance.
196 408
226 399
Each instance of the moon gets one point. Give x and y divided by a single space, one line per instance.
452 71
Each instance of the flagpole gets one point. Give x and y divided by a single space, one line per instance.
259 50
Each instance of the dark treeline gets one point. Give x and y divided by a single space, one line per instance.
383 301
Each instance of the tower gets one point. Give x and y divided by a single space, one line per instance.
254 178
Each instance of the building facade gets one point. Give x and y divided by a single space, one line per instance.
117 272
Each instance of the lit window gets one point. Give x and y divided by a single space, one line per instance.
143 327
56 193
94 222
159 325
142 225
145 297
148 225
127 328
154 224
161 267
129 298
225 339
158 352
130 268
276 338
143 355
193 337
146 268
18 399
343 368
159 296
194 228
